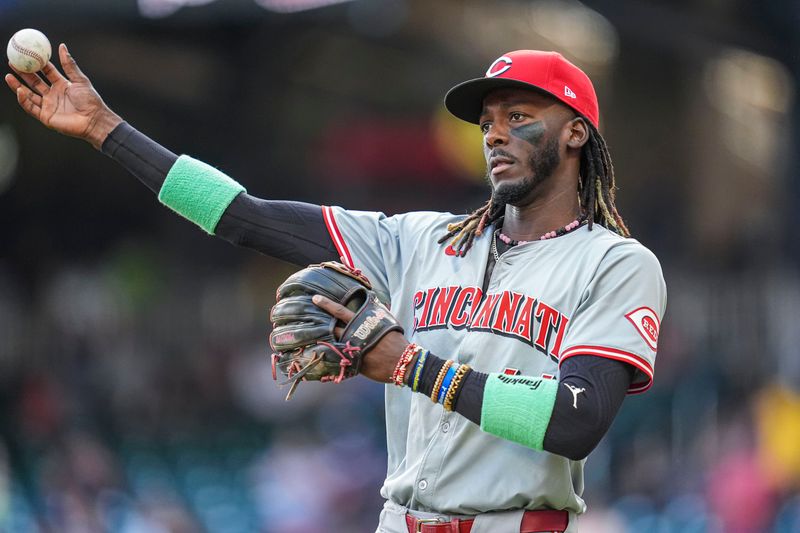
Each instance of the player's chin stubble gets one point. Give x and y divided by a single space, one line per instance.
542 164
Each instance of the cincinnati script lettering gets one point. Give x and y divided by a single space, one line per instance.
508 313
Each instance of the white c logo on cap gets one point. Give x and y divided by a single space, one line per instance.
491 73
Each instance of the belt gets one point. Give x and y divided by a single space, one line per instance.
532 522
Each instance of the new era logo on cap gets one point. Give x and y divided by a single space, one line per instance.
568 92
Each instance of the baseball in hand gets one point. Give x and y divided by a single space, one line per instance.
28 50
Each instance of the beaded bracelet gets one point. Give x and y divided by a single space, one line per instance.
459 389
438 383
448 379
420 364
454 385
399 374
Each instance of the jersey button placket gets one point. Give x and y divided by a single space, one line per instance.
433 461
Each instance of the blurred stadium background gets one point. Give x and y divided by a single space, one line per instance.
135 391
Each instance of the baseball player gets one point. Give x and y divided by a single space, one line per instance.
525 322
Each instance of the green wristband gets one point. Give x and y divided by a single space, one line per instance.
518 408
198 192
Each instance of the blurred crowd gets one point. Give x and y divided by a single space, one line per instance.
165 417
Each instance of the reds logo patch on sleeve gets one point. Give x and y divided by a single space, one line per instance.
647 324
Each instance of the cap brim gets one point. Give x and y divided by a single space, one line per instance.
465 100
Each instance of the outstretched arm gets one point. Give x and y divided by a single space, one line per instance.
69 104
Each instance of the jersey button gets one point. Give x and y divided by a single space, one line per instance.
445 427
422 484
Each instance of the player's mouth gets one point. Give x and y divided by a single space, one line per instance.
500 163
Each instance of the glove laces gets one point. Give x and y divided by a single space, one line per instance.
346 357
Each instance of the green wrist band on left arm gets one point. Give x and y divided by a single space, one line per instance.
518 408
198 192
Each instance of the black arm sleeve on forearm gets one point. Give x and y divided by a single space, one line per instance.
292 231
140 155
572 432
575 431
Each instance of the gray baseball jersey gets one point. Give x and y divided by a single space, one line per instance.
587 292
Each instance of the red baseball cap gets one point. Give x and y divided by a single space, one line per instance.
526 69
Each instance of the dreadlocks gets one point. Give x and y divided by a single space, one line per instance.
596 192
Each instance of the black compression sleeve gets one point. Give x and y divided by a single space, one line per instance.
428 376
572 432
292 231
469 398
139 155
580 419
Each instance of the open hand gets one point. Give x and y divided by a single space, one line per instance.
68 104
379 362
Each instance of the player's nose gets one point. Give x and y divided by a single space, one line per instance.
497 135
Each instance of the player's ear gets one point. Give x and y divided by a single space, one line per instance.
577 132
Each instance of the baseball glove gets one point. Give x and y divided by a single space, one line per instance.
303 338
